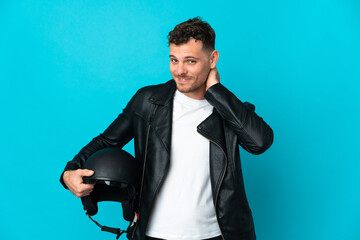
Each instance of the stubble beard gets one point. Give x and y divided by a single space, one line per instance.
187 87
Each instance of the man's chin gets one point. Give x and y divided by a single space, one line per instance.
183 89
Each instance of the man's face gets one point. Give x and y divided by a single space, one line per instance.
190 66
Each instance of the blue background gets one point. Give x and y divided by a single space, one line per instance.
68 68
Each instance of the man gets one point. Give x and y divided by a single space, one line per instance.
187 134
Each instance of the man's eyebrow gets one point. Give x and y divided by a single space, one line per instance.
191 57
187 57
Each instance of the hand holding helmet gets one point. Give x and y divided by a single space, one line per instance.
74 181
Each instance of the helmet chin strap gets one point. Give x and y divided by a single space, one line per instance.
116 231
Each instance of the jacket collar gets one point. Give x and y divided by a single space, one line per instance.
164 94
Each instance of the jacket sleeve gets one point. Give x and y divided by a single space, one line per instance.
254 135
116 135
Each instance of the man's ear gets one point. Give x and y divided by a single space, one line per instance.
214 57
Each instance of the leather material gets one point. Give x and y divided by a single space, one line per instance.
147 118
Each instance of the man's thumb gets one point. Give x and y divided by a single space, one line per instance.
87 172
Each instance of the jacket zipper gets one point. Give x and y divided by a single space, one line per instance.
221 181
145 158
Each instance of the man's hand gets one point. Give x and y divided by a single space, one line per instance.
213 78
74 181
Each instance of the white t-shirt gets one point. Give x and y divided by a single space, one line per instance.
184 209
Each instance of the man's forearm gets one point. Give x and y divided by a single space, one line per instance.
254 134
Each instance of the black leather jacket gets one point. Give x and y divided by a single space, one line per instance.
147 119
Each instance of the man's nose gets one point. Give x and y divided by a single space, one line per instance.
181 69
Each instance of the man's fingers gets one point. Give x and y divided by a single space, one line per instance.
74 181
83 190
213 78
85 172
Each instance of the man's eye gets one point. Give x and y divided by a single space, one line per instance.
191 61
173 60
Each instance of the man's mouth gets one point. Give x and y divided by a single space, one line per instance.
183 78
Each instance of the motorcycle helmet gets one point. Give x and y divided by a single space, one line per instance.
116 178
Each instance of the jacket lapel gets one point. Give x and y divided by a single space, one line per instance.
212 128
162 121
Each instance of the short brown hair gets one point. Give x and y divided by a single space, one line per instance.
193 28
